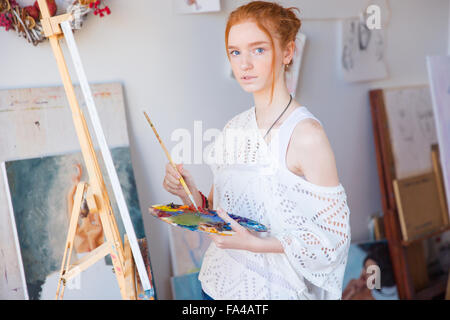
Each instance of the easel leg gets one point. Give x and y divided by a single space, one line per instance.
129 270
113 246
117 254
81 188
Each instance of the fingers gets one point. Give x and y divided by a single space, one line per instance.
233 223
172 188
185 173
219 241
170 170
171 181
172 178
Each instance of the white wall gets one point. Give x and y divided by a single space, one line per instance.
175 67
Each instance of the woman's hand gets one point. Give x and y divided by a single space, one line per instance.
242 238
173 185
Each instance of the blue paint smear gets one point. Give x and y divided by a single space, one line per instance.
39 190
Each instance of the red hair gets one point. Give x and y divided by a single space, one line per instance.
271 18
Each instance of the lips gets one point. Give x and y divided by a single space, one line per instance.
248 77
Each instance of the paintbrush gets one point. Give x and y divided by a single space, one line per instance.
183 183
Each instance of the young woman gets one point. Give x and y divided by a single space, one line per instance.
281 172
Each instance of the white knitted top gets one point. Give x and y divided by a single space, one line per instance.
311 221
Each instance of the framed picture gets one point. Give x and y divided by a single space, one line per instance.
196 6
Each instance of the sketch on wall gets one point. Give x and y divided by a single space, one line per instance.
412 129
196 6
439 77
362 51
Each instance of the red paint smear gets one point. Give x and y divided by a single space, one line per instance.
102 94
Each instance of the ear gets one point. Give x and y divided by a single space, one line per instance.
289 52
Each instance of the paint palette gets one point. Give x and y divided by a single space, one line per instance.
205 221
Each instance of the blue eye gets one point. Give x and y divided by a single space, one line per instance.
262 50
234 51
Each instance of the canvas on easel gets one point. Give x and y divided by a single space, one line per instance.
93 191
41 190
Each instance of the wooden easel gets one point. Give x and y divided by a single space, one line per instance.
403 254
94 192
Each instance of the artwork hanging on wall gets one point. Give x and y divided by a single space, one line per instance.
362 51
37 126
196 6
24 16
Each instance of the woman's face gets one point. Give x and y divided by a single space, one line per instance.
251 54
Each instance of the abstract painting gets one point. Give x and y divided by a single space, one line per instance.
36 123
41 191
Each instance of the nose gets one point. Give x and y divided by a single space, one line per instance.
246 63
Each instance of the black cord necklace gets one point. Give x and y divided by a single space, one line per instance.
279 116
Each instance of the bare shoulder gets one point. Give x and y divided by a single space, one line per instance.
310 154
308 131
